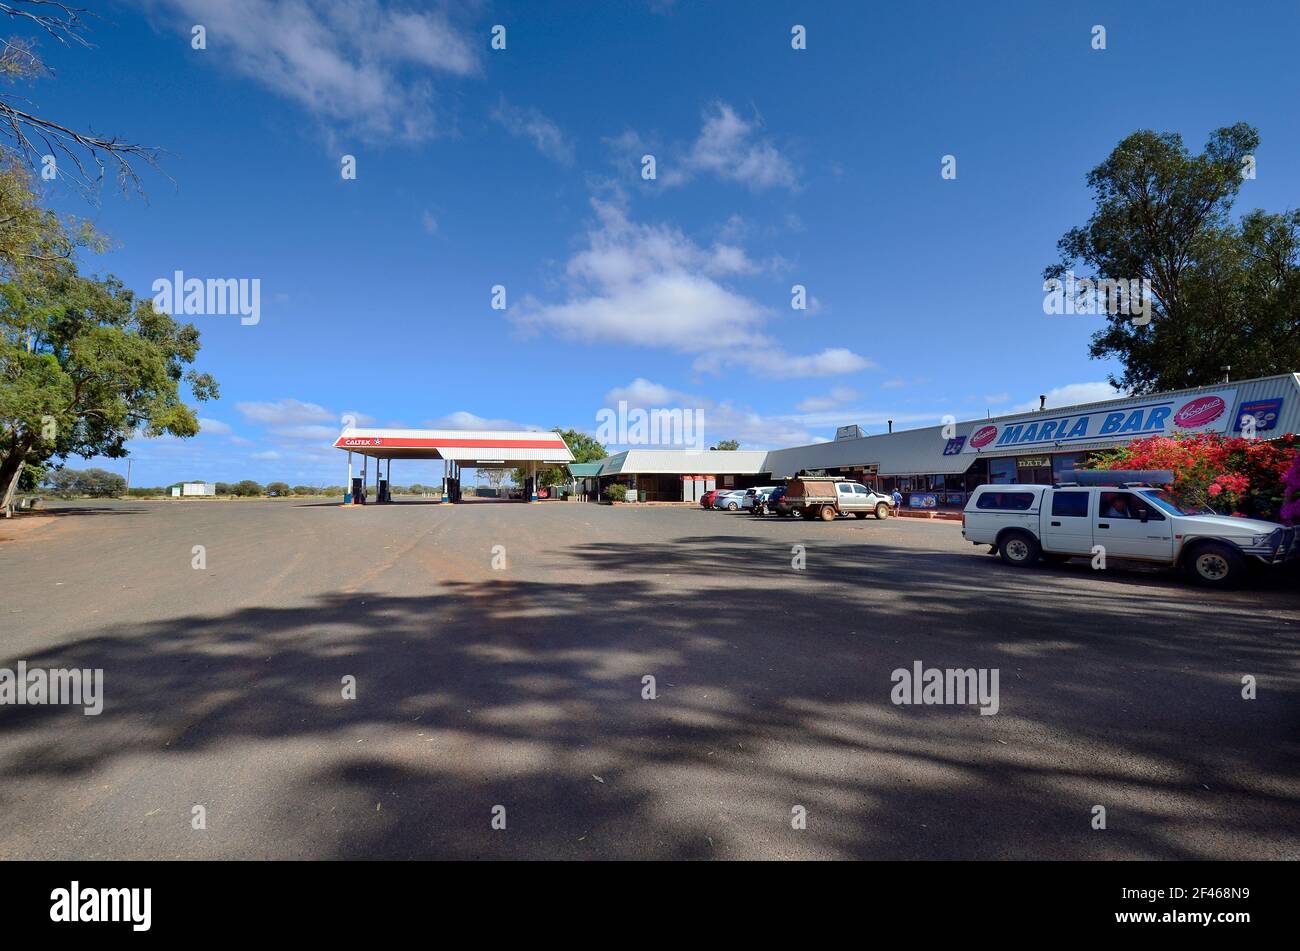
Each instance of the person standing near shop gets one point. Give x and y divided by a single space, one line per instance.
897 498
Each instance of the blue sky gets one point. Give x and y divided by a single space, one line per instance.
521 167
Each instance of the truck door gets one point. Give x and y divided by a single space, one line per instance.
1066 525
844 496
1130 527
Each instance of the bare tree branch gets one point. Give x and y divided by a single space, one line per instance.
26 130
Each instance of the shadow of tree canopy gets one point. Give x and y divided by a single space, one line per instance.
773 692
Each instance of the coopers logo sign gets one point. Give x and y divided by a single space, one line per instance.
1208 412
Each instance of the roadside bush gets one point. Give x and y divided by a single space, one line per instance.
247 487
616 492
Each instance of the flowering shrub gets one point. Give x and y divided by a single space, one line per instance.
1230 474
1291 493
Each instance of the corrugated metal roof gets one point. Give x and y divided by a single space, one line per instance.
910 452
921 451
686 462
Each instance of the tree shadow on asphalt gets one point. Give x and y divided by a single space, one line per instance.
773 691
64 511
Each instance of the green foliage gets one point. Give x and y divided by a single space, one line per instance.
728 445
584 448
616 492
84 364
1225 293
277 488
94 482
247 488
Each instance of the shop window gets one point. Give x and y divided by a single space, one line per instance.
1002 471
1064 462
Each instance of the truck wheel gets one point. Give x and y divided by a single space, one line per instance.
882 511
827 513
1019 549
1215 565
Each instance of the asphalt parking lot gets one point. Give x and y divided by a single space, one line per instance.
520 685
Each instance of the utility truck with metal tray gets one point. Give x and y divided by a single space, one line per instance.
1126 515
826 497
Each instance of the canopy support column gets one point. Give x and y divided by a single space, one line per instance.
347 486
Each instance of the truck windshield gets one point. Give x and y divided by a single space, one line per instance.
1167 502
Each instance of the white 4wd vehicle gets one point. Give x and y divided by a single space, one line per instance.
826 497
1129 518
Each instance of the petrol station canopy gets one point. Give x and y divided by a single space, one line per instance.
469 449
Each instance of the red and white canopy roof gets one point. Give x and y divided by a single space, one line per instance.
470 448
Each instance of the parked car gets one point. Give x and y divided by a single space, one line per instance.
776 502
747 501
825 497
706 500
762 503
1125 515
729 500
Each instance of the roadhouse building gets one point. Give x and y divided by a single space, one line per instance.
938 466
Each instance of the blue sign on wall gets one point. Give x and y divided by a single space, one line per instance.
954 446
1266 413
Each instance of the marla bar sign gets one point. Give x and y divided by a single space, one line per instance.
1204 412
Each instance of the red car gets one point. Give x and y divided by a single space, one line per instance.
706 501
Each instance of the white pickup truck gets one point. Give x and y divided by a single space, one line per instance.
1124 515
826 497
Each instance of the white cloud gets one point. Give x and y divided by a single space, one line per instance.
214 427
265 454
428 222
1071 394
464 420
773 362
838 395
729 148
652 286
363 65
285 411
642 392
529 123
